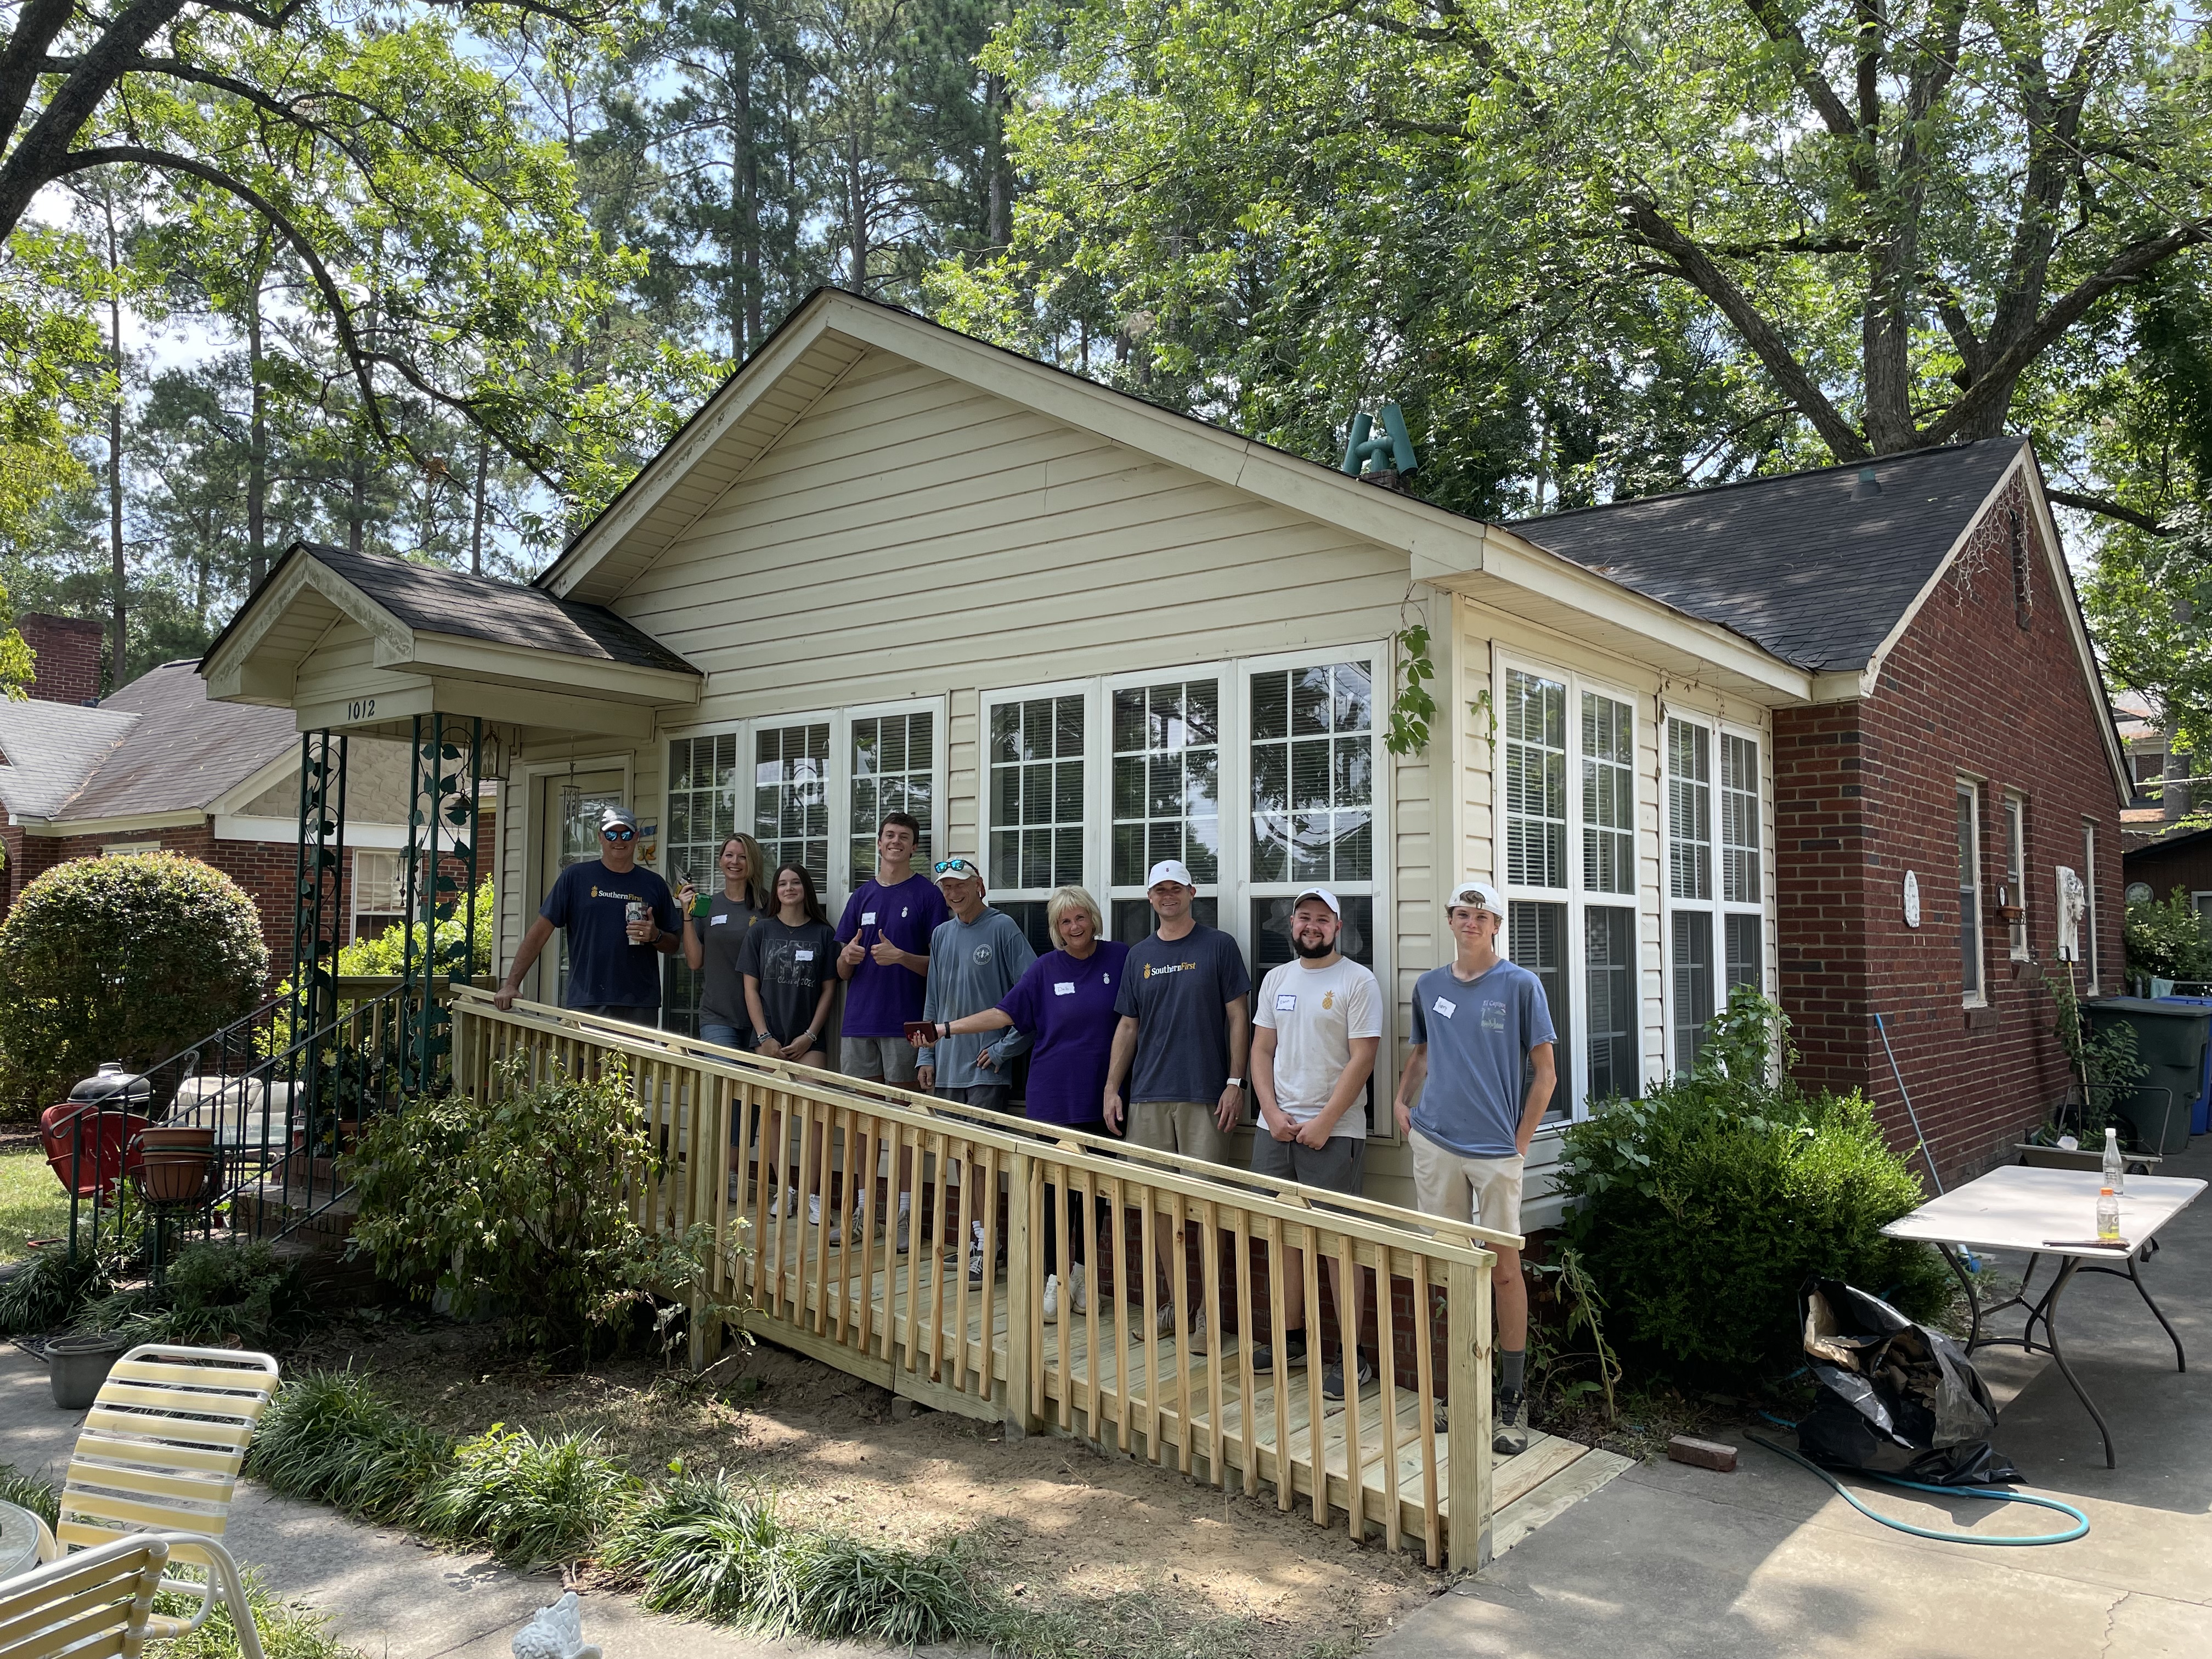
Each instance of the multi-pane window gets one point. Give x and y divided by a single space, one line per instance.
1535 781
379 890
791 797
1716 927
894 769
2016 881
1313 773
1037 803
1739 819
1167 794
1569 801
702 812
1970 890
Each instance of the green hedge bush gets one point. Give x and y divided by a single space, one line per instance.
1705 1205
131 959
2167 939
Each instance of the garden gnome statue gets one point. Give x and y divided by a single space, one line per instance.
554 1632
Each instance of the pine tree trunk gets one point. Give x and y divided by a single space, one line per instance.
476 523
257 450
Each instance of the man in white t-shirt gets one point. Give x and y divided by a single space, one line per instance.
1315 1030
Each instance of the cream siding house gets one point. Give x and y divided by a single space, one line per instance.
888 565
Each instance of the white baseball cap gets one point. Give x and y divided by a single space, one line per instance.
1475 895
1173 870
955 869
1324 895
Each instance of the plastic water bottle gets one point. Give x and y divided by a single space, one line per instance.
2116 1169
2108 1217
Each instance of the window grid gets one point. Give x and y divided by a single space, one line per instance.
1535 781
1037 797
1716 927
1313 773
1689 811
1166 779
1608 795
702 812
1740 874
894 769
791 797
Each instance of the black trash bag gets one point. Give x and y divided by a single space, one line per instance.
1896 1398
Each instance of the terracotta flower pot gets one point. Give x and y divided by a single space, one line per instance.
176 1176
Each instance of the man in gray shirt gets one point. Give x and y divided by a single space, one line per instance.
1480 1026
974 960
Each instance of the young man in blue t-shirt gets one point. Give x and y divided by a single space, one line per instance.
1480 1026
621 921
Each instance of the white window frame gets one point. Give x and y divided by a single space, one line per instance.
1574 1031
1976 995
2015 823
2089 903
355 908
122 850
1717 905
1230 781
1098 797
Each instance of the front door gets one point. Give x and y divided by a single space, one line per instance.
570 813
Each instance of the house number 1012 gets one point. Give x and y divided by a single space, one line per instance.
361 709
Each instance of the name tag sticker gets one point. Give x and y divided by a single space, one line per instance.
1063 987
716 921
803 956
867 918
1286 1002
1444 1006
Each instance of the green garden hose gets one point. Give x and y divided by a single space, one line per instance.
2080 1521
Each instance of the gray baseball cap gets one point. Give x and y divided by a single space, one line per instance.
618 817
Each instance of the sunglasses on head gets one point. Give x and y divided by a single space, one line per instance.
618 833
950 866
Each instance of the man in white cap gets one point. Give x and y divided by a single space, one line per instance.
1180 1047
621 921
1481 1027
974 960
1317 1025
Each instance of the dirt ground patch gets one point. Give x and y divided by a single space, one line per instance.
1139 1560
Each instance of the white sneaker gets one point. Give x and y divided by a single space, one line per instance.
814 1209
905 1219
979 1265
1079 1294
787 1205
1052 1298
1164 1319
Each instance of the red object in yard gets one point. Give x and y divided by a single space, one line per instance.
109 1149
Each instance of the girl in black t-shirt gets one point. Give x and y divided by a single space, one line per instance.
788 964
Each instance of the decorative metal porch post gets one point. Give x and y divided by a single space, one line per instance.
318 921
445 779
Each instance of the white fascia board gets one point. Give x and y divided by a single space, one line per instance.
2077 627
285 833
456 656
136 821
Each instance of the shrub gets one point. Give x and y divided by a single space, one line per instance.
49 1290
1707 1204
129 958
531 1501
214 1292
31 1492
2168 940
330 1437
702 1549
520 1200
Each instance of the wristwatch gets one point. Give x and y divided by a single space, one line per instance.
1236 1082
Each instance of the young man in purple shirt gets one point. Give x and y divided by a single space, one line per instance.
885 963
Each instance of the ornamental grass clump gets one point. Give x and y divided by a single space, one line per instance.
530 1501
215 1293
703 1548
1705 1206
330 1437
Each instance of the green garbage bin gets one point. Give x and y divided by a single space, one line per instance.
2170 1038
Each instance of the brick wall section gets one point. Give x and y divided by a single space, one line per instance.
68 651
1865 791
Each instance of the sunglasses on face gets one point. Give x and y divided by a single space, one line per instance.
618 834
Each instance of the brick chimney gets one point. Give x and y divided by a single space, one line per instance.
69 653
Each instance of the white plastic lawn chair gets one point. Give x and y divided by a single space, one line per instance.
160 1452
100 1601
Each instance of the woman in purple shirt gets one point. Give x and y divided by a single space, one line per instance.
1066 1002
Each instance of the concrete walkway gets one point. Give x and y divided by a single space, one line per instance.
389 1597
1669 1560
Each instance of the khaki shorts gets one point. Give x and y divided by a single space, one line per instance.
1188 1127
886 1059
1484 1190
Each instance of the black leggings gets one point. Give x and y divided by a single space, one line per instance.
1078 1235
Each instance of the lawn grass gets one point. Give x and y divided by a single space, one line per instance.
32 1204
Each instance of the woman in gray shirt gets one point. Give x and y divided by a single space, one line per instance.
715 932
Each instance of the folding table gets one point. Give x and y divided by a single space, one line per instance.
2050 1212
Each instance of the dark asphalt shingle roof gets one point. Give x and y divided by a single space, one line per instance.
1797 564
437 601
184 752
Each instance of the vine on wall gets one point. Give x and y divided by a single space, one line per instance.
1414 707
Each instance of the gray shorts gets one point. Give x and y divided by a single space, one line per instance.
1339 1166
991 1096
1188 1127
887 1059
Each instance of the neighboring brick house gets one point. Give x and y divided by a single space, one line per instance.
158 766
1960 737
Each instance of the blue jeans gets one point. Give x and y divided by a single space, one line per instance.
724 1036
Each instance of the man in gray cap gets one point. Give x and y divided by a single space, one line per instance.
621 921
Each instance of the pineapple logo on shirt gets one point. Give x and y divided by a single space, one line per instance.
1328 1001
